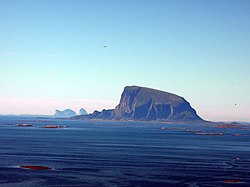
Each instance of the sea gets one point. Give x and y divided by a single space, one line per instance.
105 153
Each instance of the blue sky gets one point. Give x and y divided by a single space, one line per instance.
52 54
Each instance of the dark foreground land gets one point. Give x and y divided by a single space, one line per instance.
84 153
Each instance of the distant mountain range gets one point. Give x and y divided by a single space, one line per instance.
141 103
65 113
69 113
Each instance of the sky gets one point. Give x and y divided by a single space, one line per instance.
52 54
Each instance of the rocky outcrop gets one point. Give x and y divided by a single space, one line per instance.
65 113
36 168
140 103
82 111
104 114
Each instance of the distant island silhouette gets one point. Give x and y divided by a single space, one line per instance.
69 113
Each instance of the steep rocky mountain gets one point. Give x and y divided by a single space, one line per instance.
65 113
82 111
140 103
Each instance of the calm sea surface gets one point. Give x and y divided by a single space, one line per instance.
121 154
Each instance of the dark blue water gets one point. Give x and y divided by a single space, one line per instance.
121 154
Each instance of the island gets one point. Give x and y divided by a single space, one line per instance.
54 126
36 168
147 104
82 111
65 113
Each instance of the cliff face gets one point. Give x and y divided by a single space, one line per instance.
139 103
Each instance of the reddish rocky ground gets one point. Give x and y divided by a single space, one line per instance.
231 181
36 168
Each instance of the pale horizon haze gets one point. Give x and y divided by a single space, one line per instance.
81 54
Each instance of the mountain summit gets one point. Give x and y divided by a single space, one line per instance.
65 113
141 103
82 111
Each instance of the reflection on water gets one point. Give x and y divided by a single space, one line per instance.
121 154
